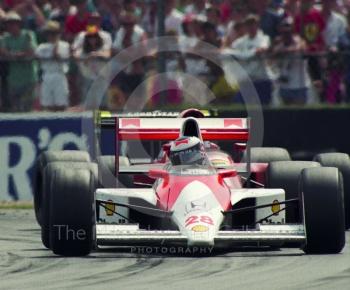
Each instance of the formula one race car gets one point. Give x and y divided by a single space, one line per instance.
194 194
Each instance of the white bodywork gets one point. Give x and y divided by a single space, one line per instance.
196 212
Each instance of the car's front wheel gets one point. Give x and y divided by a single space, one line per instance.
43 160
48 177
73 212
322 207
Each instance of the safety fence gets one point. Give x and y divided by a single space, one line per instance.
24 136
207 77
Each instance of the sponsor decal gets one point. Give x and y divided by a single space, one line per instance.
276 207
178 143
195 171
149 114
197 219
110 208
219 162
233 123
200 228
196 205
131 123
311 32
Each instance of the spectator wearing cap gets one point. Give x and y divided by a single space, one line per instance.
53 52
249 50
94 20
18 45
92 57
294 81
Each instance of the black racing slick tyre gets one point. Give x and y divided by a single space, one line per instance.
42 161
72 212
321 202
342 162
285 175
48 177
268 154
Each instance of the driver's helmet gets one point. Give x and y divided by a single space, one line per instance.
187 151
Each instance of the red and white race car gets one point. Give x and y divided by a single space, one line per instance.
193 195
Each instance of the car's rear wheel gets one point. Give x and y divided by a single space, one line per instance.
342 162
285 175
72 212
107 173
268 154
48 177
321 204
43 160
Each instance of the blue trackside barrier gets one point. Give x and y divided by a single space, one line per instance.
24 136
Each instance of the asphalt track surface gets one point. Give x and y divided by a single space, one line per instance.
25 264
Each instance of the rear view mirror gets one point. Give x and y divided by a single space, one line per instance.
240 147
158 174
238 151
166 148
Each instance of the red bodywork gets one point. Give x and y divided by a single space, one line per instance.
170 188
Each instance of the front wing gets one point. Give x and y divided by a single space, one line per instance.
132 235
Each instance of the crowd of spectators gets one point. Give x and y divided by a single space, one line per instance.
294 51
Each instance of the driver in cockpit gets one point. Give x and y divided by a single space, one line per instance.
188 151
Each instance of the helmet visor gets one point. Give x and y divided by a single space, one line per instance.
193 155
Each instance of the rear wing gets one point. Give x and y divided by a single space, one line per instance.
150 114
168 129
